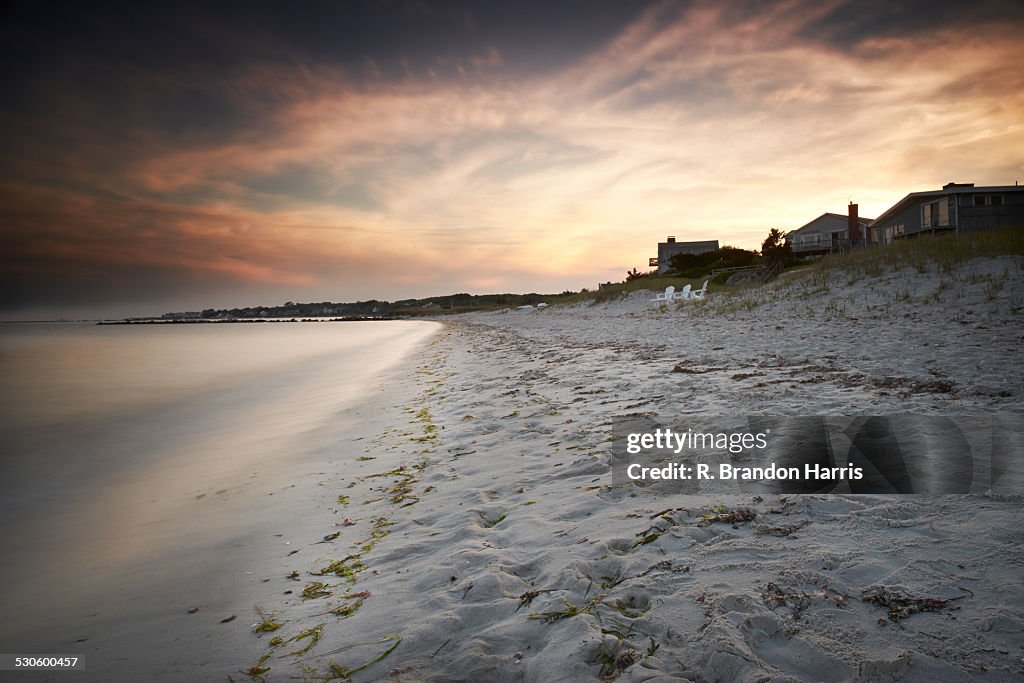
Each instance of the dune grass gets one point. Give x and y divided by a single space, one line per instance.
945 255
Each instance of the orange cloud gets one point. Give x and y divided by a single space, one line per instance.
699 122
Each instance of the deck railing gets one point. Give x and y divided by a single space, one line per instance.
830 246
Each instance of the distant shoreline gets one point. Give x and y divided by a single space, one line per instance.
200 321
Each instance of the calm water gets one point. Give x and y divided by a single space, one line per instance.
123 445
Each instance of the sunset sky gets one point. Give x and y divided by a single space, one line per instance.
166 156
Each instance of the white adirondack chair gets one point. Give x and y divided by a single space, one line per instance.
667 295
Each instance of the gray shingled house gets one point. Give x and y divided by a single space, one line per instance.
829 232
669 248
957 207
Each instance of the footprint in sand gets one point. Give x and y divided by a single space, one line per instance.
765 634
491 518
633 604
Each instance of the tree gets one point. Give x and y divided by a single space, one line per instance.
774 247
697 265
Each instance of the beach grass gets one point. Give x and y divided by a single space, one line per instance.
942 253
943 256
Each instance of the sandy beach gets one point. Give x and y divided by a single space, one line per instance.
443 341
480 537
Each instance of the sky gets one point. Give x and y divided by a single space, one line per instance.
171 156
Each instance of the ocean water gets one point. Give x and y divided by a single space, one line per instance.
134 458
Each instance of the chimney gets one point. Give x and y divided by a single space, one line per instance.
671 240
853 224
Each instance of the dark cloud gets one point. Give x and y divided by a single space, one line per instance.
151 151
854 21
159 37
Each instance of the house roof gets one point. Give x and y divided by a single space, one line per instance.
951 188
828 214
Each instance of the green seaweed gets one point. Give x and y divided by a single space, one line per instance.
343 568
401 489
312 634
341 672
397 472
345 611
613 580
314 590
648 538
570 611
723 515
337 672
268 623
378 531
256 672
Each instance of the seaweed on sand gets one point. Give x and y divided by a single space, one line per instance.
343 568
268 623
314 590
735 516
901 606
526 598
313 635
570 610
342 672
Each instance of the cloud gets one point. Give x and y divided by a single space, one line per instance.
700 120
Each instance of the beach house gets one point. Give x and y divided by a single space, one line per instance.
830 232
957 207
670 248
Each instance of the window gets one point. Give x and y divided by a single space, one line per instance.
893 231
987 200
935 214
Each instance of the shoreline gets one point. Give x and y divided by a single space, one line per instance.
233 321
186 560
